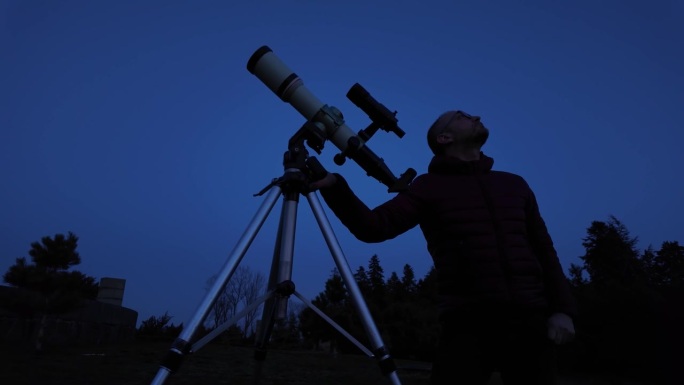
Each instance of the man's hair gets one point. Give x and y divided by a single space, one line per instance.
441 125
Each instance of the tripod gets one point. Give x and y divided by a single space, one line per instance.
298 169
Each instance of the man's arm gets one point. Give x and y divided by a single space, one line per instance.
557 285
386 221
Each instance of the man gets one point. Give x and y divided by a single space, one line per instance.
504 300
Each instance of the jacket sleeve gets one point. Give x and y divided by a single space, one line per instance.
384 222
556 284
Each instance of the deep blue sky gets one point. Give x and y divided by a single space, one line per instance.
137 126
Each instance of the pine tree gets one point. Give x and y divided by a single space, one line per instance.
361 278
333 301
611 256
669 265
46 286
617 300
408 280
335 290
647 260
376 278
395 289
427 287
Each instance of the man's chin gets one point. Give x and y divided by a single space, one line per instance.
481 135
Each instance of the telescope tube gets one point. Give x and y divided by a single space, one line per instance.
290 88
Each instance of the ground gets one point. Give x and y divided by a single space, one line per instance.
137 363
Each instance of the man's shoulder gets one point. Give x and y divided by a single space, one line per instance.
509 177
506 174
429 178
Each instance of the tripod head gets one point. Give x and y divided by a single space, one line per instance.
326 122
300 168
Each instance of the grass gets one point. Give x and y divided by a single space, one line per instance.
216 363
137 363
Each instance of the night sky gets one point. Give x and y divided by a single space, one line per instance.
136 125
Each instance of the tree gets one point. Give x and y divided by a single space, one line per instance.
427 286
241 290
255 284
647 260
668 265
395 290
335 291
51 259
362 281
334 301
409 326
223 307
576 276
620 298
312 327
611 256
376 278
408 280
286 331
46 287
668 268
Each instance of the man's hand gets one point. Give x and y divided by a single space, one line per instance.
560 328
328 180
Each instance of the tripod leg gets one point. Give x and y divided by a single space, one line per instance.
379 350
281 272
182 345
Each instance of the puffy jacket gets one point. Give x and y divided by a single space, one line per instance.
488 241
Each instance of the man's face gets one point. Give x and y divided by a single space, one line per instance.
463 128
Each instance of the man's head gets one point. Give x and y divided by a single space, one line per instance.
456 130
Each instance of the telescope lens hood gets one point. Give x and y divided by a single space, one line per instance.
254 59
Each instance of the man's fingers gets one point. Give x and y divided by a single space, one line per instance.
552 333
560 336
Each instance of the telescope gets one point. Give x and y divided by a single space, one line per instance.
328 121
323 123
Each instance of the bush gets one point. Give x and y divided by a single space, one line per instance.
159 328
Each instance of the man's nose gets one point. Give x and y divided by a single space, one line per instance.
476 118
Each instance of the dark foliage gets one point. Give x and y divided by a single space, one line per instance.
627 304
401 308
46 286
158 328
47 274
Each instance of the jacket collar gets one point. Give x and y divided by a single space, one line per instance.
449 165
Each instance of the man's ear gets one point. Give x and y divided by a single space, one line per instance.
444 138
